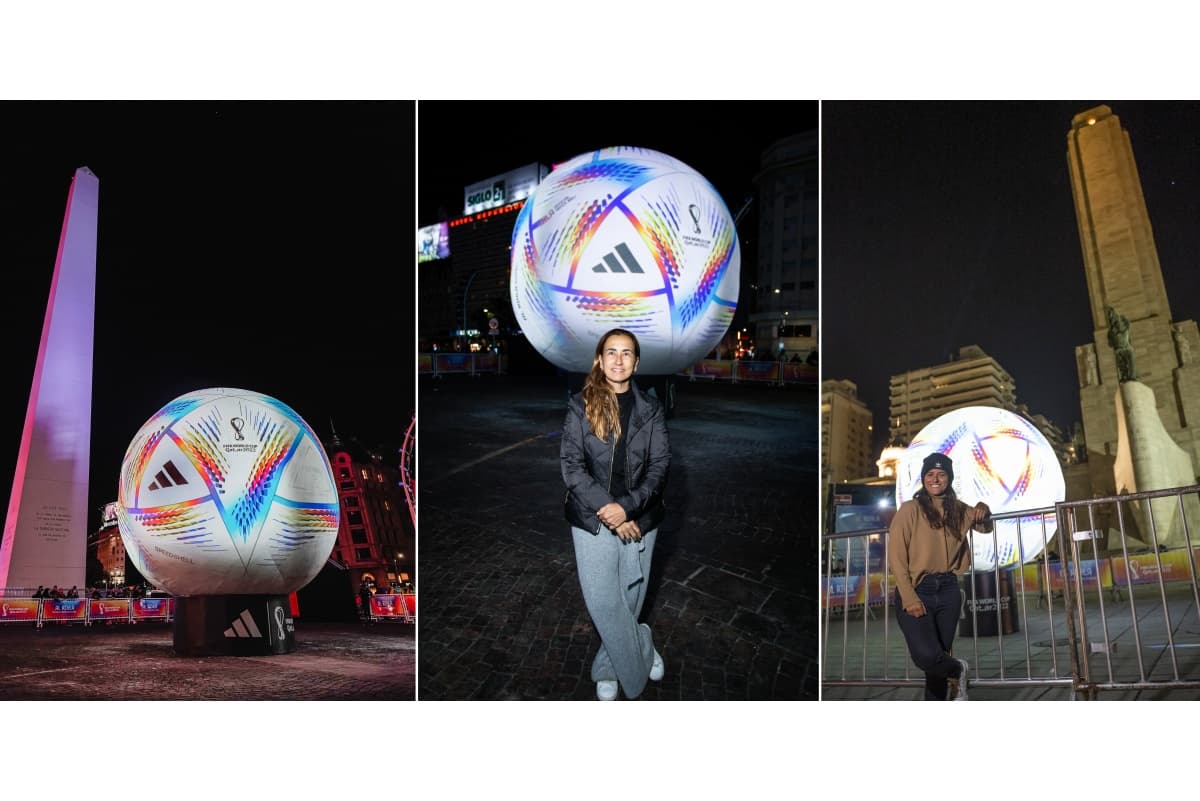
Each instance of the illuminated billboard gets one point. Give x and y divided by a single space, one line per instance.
1001 459
500 190
433 242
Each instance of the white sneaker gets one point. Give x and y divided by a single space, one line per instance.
658 668
962 682
606 690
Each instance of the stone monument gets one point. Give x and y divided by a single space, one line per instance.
1147 457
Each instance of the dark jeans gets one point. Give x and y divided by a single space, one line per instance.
931 636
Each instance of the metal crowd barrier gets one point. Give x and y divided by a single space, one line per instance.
87 611
745 371
1147 635
460 363
389 605
1113 613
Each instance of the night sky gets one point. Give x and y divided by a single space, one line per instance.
264 246
723 140
948 224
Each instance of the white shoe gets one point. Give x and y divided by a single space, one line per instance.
962 682
658 668
606 690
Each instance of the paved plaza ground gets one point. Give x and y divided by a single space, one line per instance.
732 598
332 661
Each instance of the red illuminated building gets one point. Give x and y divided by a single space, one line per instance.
375 536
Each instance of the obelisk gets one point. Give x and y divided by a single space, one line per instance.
45 532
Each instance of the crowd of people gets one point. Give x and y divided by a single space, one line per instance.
95 593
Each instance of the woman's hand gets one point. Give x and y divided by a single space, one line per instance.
916 610
611 515
980 513
629 531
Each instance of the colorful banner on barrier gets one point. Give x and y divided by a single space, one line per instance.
453 363
859 592
18 609
151 608
711 368
757 371
1032 574
1142 568
799 373
64 609
424 362
838 591
109 609
487 361
387 605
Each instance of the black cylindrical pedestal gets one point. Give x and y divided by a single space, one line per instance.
233 625
986 598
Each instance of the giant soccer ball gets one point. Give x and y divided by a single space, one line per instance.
227 491
1000 459
625 238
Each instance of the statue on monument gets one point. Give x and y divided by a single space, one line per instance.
1118 339
1092 374
1181 345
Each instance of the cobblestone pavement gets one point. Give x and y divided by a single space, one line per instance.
331 662
732 597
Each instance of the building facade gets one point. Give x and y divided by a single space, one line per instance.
375 539
106 562
846 432
971 378
784 316
1122 269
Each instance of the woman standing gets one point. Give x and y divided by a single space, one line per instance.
927 547
615 455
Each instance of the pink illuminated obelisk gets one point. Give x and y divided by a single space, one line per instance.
45 532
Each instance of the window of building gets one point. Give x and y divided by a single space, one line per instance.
350 500
358 536
362 553
354 517
347 485
344 472
366 476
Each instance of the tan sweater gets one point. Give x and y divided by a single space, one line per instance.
916 549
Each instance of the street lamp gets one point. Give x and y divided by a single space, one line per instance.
396 566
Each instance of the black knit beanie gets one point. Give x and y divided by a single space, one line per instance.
939 461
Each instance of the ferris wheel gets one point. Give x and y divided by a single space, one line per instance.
408 478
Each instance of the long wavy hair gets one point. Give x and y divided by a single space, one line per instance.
951 516
599 401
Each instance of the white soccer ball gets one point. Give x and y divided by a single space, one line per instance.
227 491
1001 459
625 238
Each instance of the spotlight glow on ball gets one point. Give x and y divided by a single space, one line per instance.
227 491
625 238
1001 459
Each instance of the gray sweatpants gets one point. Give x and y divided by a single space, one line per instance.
613 576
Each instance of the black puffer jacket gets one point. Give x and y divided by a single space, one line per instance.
587 465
